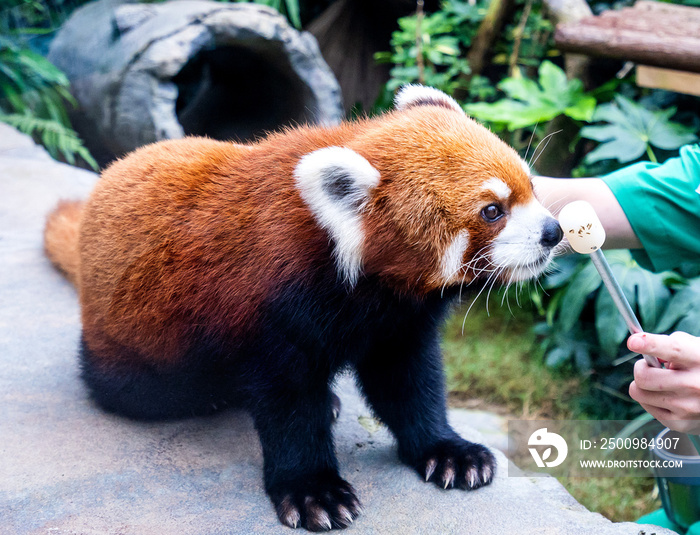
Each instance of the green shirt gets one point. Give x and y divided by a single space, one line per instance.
662 203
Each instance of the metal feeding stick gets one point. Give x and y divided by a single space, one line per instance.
586 235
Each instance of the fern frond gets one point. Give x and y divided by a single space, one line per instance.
58 139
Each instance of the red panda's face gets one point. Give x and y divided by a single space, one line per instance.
428 198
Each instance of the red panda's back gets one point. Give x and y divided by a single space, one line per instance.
162 231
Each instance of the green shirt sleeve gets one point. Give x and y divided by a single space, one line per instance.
662 203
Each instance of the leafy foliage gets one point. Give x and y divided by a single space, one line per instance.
583 329
683 311
289 8
531 102
632 130
34 95
444 36
57 138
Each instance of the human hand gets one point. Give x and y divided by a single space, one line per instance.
671 394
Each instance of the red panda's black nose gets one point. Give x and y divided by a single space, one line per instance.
551 233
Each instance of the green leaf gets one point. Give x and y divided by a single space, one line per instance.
684 304
652 296
559 355
519 88
58 139
552 78
624 148
582 110
553 307
690 324
602 132
670 136
530 103
581 287
631 129
514 114
564 268
293 12
610 325
582 358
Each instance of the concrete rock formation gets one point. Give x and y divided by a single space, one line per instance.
146 72
66 467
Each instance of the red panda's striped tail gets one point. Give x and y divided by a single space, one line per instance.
61 238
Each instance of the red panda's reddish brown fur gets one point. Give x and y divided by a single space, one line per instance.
213 273
253 227
61 239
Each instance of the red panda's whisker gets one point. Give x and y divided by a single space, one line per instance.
532 136
476 298
546 141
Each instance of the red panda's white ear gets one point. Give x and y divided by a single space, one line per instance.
410 96
335 183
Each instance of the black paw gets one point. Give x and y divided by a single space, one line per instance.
457 464
318 503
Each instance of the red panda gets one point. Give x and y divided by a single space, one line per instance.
213 274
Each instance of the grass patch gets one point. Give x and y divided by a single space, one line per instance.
621 499
495 363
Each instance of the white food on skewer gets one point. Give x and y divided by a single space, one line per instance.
586 235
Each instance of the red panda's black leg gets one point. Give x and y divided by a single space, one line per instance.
403 382
300 467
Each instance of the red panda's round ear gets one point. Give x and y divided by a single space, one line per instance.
336 183
411 95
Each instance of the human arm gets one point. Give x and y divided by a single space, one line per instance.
663 202
555 193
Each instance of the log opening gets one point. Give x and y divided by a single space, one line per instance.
236 92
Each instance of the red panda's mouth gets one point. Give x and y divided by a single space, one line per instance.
526 271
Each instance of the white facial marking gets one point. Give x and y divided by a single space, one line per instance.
412 95
498 187
453 258
517 248
335 182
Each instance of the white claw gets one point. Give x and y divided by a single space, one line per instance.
345 513
430 468
448 477
486 474
292 518
357 506
472 477
324 520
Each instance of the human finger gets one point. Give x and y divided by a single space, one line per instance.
655 379
679 348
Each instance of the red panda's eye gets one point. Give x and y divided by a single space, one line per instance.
492 213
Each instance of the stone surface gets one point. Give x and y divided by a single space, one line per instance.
68 468
127 67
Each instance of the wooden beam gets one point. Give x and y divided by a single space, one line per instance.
671 80
661 35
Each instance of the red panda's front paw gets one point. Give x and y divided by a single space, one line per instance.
318 503
458 464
